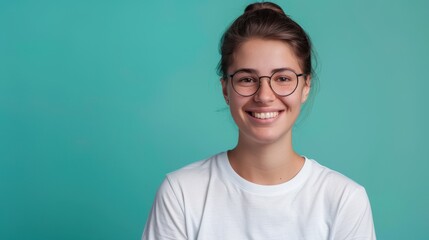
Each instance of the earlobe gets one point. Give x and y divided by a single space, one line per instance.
225 90
306 89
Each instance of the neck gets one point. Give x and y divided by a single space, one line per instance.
266 164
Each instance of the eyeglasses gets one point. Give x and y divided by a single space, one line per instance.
283 82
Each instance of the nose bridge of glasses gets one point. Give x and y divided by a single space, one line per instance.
266 87
267 77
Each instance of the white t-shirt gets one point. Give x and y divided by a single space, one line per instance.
208 200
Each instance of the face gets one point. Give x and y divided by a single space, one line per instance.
265 117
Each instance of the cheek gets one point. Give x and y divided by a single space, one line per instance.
229 91
234 98
235 103
293 102
300 95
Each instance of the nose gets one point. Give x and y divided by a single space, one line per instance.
265 93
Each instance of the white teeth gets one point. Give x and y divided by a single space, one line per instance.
265 115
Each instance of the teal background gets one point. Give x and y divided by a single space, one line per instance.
100 99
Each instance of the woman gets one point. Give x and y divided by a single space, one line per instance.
261 189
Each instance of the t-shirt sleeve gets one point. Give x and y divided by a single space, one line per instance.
166 219
354 218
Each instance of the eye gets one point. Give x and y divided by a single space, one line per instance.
283 79
247 80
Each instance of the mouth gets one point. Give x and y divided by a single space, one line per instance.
264 115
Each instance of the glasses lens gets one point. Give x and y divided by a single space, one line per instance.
245 83
284 82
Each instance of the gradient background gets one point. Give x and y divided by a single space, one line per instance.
100 99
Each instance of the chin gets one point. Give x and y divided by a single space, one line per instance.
265 137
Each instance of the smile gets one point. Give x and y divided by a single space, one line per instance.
264 115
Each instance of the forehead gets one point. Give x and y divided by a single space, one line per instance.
264 55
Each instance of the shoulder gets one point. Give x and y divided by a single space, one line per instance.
346 200
327 176
197 169
196 175
334 184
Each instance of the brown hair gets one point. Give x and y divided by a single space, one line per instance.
264 20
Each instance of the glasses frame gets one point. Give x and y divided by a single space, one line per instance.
269 82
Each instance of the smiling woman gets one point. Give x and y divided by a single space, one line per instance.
266 116
262 188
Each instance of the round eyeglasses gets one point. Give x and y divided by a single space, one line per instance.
283 82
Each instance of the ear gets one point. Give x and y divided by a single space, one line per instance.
306 89
224 83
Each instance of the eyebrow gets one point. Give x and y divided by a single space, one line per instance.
251 70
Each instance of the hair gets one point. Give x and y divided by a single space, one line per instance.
265 20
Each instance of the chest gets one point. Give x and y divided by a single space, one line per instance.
232 213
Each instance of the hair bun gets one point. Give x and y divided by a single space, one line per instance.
263 5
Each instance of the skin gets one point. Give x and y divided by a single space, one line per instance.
264 152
